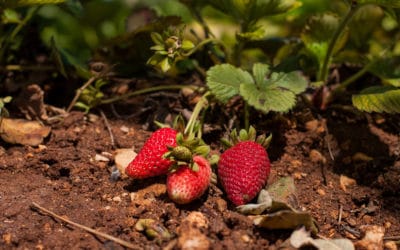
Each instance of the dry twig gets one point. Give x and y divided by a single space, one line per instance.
88 229
79 92
108 128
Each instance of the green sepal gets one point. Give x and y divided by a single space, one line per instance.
157 47
213 160
246 135
157 38
179 138
179 123
264 141
203 150
252 133
181 153
243 136
195 167
226 143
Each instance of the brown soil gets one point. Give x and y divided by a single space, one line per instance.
64 177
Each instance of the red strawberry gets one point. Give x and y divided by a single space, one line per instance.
243 171
150 162
185 185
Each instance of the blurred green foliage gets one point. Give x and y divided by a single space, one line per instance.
306 35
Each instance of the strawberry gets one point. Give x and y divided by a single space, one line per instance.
243 170
185 184
150 161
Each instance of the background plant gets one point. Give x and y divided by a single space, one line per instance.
305 36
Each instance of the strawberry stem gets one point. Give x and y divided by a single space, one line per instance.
192 123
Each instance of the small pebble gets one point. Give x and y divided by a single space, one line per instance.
117 199
352 222
245 238
368 219
317 157
115 174
221 204
99 157
124 129
321 191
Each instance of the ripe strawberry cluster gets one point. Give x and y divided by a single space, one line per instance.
243 169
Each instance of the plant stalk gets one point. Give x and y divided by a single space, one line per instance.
201 44
196 111
246 116
342 87
145 91
323 74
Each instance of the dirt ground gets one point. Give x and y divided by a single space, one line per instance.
65 176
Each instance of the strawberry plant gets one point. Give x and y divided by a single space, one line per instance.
340 38
264 90
3 102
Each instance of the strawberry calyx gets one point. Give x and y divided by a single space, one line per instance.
246 135
189 142
186 149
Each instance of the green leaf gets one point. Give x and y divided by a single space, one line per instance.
264 8
10 16
257 33
267 99
378 99
278 93
384 3
224 81
253 10
260 72
363 24
388 69
187 45
318 33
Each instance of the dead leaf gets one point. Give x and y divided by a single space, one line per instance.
274 211
20 131
346 182
301 238
283 190
373 238
286 219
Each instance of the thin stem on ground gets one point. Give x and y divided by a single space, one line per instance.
145 91
108 128
14 67
79 92
88 229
